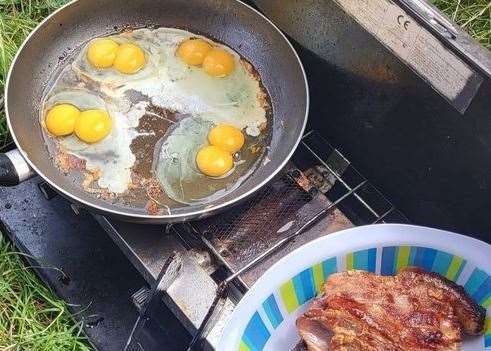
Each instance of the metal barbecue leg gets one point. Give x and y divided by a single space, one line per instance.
168 273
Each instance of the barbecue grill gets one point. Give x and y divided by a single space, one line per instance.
399 131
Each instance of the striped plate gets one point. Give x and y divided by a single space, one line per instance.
265 318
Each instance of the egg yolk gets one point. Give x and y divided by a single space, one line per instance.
101 53
193 51
129 59
93 125
213 161
61 119
226 137
218 63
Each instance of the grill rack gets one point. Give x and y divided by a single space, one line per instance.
319 173
318 192
343 188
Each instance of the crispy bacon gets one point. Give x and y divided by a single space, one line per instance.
412 311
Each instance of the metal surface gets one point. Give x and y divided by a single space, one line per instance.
204 244
166 277
148 247
239 236
430 160
229 21
298 227
82 265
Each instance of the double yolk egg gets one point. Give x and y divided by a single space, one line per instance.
125 58
214 61
216 160
89 126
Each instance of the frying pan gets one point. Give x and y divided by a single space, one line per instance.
232 22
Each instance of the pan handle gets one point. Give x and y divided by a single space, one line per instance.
13 168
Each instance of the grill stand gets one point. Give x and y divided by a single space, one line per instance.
200 270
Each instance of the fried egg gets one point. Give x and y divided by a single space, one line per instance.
212 89
112 77
236 99
110 158
177 170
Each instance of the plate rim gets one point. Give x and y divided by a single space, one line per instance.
380 234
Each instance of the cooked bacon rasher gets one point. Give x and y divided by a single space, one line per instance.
412 311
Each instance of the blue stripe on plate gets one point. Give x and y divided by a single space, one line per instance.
425 258
256 334
484 290
272 311
412 256
388 260
365 260
304 286
474 282
372 258
360 260
329 267
487 341
441 262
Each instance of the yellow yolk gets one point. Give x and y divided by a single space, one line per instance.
226 137
193 51
129 59
213 161
93 125
101 53
218 63
61 119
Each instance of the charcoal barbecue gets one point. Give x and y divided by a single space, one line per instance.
398 132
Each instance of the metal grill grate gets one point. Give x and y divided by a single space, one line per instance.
321 177
240 234
320 194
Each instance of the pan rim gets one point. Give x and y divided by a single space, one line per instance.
169 217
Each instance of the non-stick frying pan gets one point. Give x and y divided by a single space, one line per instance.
229 21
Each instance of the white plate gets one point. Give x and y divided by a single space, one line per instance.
265 318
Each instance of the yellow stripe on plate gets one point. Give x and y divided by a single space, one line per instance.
487 303
402 257
487 326
243 346
318 277
287 292
454 268
349 261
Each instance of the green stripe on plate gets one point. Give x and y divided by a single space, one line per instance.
243 346
454 268
287 292
403 253
318 274
349 261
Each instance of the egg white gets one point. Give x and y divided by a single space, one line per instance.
166 82
234 99
110 78
112 157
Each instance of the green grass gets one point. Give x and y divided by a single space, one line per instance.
17 19
31 316
472 15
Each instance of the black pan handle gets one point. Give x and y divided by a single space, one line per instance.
13 168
